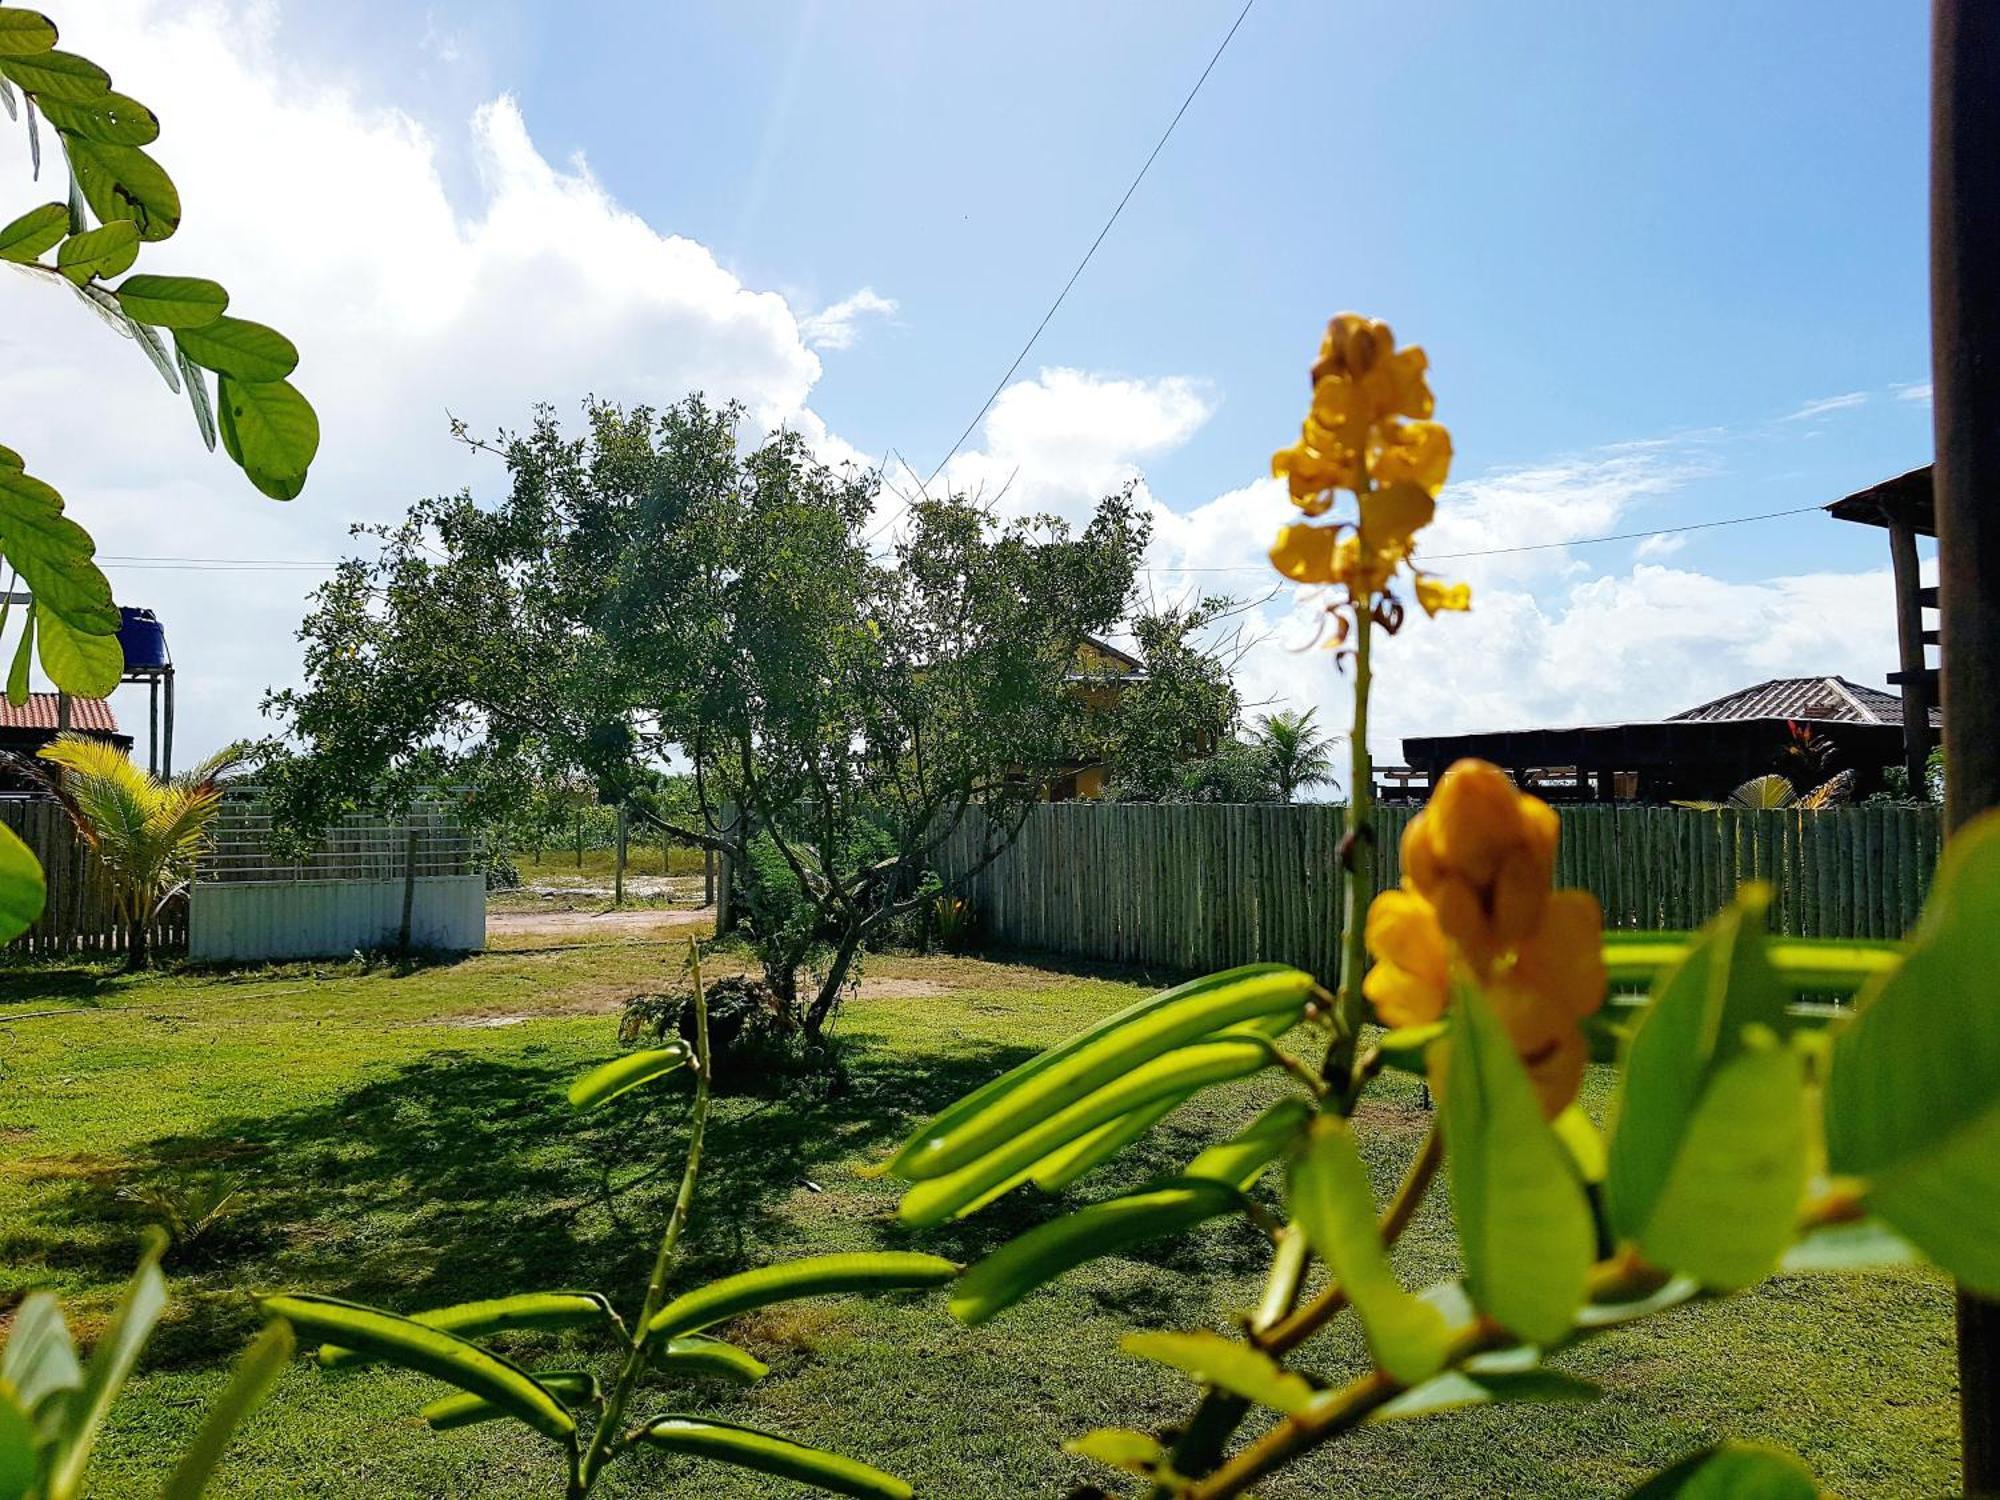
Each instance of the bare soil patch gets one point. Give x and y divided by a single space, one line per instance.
592 925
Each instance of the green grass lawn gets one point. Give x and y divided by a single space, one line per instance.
401 1138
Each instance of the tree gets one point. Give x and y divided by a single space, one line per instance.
1300 755
146 832
178 322
650 597
1179 713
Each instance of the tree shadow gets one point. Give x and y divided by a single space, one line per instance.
26 983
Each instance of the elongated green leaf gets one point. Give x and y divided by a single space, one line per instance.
177 302
966 1109
22 889
1046 1251
9 459
933 1200
24 32
1826 966
1584 1142
1119 1448
50 74
110 1363
269 429
429 1351
767 1453
37 230
1913 1093
1107 1055
1059 1169
812 1276
196 380
84 665
99 252
155 349
39 1363
1469 1387
1524 1229
1241 1160
539 1311
576 1386
1228 1364
1730 1205
1328 1196
1694 1025
123 182
1866 1246
110 117
256 1372
1732 1471
1407 1048
17 1448
1609 1314
244 351
53 554
698 1354
24 660
621 1074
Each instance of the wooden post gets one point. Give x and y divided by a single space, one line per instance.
409 889
618 875
579 841
1910 656
1965 383
167 737
708 877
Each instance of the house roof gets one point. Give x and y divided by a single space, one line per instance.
1829 699
92 715
1905 498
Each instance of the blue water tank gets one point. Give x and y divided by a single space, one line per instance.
143 641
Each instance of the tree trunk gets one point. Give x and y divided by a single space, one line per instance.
138 955
833 984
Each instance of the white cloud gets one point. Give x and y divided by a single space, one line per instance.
1659 544
837 326
1826 404
1918 391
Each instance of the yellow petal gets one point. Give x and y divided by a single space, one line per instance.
1304 553
1434 595
1392 516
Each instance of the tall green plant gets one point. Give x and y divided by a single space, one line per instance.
1300 755
147 833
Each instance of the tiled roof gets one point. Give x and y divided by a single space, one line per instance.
39 712
1824 698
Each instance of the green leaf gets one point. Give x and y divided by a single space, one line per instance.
81 664
1694 1025
53 555
155 349
1584 1142
24 32
18 1463
767 1453
1046 1251
1178 1074
429 1351
538 1311
24 659
39 1363
23 891
1671 1292
9 459
1057 1079
1913 1093
1524 1229
812 1276
1825 966
1407 1048
110 1363
1472 1387
1732 1471
1059 1169
246 352
1241 1160
1731 1201
177 302
110 117
1228 1364
575 1386
1327 1195
196 381
1119 1448
55 75
37 230
625 1073
698 1354
1865 1246
270 430
256 1372
99 252
123 182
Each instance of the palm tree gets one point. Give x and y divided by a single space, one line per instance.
147 832
1764 793
1300 756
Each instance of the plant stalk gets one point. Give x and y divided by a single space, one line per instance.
1360 850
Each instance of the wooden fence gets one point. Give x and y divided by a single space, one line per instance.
78 916
1194 888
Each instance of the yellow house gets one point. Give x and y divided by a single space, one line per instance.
1099 678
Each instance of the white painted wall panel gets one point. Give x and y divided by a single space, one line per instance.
233 922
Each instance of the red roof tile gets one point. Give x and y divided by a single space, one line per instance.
39 712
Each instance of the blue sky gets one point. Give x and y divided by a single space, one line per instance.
1668 262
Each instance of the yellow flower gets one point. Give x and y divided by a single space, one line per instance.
1477 868
1392 516
1304 553
1419 452
1434 594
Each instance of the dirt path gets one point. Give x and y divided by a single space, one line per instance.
588 925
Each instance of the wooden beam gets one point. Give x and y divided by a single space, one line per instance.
1915 677
1965 419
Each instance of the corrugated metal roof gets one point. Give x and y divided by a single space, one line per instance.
1825 698
39 712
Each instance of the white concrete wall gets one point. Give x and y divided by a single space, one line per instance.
236 922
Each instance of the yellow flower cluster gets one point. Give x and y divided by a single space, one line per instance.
1478 865
1369 431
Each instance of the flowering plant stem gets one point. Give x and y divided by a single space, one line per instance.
584 1472
1360 851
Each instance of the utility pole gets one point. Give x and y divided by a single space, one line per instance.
1965 393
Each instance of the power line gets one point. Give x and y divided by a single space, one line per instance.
1081 265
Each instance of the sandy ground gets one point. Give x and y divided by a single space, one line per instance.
584 926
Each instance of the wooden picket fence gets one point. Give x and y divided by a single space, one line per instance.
78 916
1193 888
